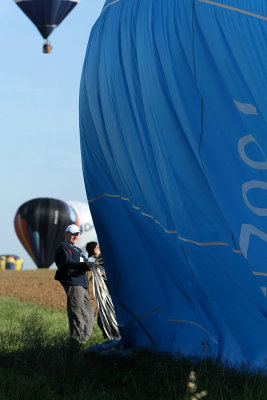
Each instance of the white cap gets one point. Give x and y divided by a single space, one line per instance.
72 229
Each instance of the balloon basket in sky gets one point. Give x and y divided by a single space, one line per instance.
47 48
46 15
173 119
40 225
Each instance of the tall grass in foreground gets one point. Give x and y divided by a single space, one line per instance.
36 362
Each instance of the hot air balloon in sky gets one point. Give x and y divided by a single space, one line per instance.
46 15
40 225
173 125
87 228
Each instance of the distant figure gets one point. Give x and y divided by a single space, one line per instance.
93 251
71 273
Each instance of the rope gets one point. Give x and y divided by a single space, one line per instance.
104 303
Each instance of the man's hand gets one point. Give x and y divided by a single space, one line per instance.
89 265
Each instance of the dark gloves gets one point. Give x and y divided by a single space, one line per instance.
88 266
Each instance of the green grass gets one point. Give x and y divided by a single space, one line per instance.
36 362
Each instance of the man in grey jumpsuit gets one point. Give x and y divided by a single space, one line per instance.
71 273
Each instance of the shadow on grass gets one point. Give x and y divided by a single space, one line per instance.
57 372
35 364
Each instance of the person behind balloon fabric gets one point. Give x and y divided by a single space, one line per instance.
94 254
71 273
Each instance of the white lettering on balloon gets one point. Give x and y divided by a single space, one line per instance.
254 185
247 230
86 227
56 217
241 150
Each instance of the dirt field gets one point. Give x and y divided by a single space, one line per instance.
36 286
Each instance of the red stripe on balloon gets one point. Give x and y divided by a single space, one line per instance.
26 235
17 229
77 219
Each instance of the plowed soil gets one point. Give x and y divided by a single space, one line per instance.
37 286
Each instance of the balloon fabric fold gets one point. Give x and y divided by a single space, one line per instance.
173 119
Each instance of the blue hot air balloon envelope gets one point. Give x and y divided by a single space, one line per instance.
173 138
46 14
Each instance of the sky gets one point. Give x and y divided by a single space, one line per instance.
39 116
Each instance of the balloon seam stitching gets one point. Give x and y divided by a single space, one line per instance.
171 320
259 273
240 10
143 316
166 230
110 4
194 323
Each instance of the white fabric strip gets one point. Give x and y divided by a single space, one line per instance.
215 3
51 26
